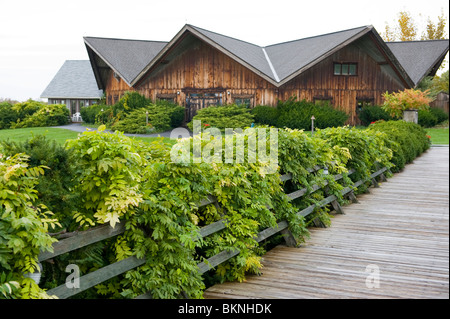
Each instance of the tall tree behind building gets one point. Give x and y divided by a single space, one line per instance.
405 28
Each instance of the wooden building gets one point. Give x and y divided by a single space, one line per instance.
199 68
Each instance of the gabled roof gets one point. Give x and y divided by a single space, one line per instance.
132 60
290 58
74 79
279 63
420 58
125 57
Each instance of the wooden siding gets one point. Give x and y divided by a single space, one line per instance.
202 68
115 88
198 68
343 91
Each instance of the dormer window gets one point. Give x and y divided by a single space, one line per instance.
345 68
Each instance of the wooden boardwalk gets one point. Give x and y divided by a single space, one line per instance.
399 234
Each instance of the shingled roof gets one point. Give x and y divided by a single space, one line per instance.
420 58
74 79
126 57
278 63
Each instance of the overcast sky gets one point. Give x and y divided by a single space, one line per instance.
37 36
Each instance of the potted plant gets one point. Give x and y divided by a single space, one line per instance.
406 104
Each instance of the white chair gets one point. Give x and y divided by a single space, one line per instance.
76 117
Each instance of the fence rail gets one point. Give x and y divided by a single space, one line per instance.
99 233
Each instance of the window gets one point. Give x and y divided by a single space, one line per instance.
243 99
345 68
243 102
361 102
320 100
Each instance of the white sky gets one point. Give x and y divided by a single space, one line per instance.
37 36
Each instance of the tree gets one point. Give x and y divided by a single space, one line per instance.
435 31
405 29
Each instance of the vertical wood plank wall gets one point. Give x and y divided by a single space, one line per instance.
201 68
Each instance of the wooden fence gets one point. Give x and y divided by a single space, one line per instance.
99 233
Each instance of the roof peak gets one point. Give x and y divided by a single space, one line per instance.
322 35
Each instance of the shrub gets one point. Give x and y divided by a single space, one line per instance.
54 187
46 115
89 113
371 114
24 225
427 119
297 115
221 117
265 115
27 108
161 117
368 150
7 115
407 141
440 114
400 101
129 102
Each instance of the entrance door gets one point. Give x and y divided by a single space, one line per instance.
197 101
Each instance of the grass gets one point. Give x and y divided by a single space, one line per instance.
21 134
439 136
58 134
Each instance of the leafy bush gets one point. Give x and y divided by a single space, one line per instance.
27 108
89 113
55 187
121 180
221 117
400 101
367 149
370 114
427 119
46 115
107 176
406 140
161 117
265 115
128 115
32 114
7 115
129 102
23 225
297 115
440 114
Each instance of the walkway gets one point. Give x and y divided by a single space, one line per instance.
394 243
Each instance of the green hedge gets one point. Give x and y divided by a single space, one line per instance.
406 140
121 180
222 117
32 114
297 115
128 115
370 114
432 117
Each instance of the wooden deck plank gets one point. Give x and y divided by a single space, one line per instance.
401 227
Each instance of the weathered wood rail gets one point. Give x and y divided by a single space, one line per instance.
399 232
99 233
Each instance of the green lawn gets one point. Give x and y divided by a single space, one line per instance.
21 134
439 136
57 134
